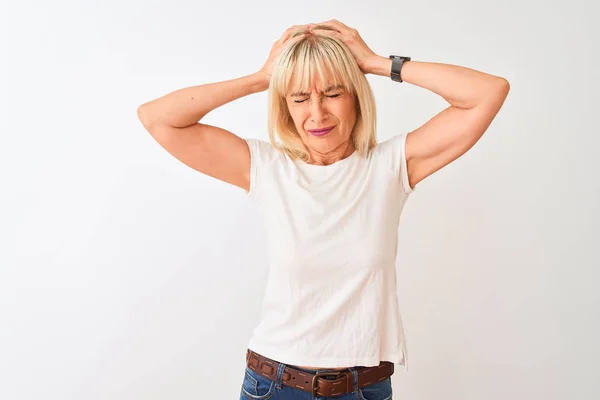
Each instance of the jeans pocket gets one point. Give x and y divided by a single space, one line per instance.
257 387
377 391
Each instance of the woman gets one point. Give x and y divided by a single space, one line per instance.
331 198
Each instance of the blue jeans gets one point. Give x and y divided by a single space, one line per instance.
257 387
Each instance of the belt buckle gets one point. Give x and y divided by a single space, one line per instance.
324 373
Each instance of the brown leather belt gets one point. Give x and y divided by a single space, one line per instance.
315 383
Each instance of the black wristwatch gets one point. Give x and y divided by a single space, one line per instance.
397 62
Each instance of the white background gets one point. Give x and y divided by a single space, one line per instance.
127 275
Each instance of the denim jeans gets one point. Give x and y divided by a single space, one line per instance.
257 387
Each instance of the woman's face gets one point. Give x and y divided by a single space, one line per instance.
325 106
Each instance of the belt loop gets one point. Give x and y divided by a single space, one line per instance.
279 376
354 378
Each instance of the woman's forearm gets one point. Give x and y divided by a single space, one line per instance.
460 86
187 106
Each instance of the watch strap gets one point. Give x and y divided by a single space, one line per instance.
397 62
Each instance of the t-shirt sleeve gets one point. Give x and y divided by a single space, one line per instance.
403 164
395 148
261 155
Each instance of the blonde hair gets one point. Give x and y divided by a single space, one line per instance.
314 55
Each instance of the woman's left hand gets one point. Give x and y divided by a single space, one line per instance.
351 38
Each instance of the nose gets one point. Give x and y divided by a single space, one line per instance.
318 112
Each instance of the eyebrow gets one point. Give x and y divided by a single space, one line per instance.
329 89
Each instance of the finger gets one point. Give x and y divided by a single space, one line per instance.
341 24
294 39
328 32
292 31
327 24
335 24
288 32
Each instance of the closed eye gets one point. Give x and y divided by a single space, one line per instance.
332 97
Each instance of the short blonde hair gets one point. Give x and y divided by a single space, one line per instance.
317 54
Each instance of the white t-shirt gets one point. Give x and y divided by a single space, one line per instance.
331 294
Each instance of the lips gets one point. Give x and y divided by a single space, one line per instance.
321 132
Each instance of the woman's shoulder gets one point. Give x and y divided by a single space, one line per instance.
392 143
391 150
264 152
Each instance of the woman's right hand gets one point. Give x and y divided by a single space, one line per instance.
285 41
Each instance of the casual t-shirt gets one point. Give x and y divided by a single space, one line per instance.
332 232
